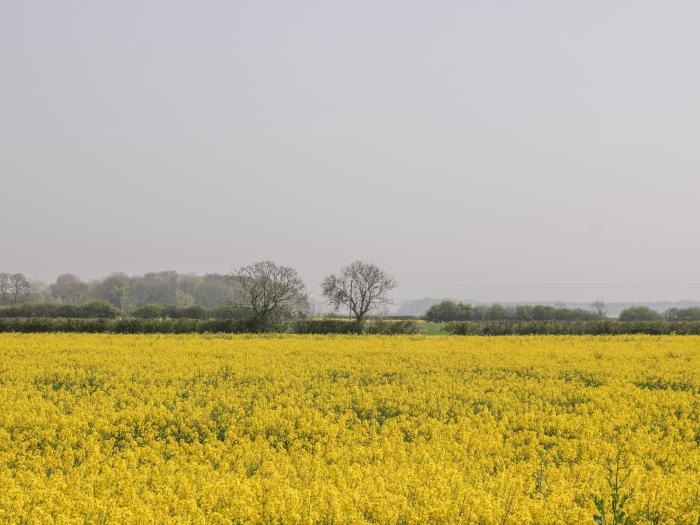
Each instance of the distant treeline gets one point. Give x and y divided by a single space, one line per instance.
169 294
122 291
267 297
448 311
103 310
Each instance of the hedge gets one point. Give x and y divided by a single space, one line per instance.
123 326
93 310
181 326
392 327
339 326
604 327
336 326
324 326
103 310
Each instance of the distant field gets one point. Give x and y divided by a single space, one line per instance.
342 429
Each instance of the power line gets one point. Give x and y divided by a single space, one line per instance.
585 287
544 286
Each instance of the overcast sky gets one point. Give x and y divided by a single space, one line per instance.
549 148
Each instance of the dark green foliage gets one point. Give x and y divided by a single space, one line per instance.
229 312
392 327
187 312
155 311
450 311
104 310
541 312
613 510
325 326
149 311
495 312
683 314
92 310
602 327
339 326
124 326
639 313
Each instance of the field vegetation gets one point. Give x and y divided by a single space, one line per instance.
349 429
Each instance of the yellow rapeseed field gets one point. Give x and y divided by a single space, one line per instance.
302 429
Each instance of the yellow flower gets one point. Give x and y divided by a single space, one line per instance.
347 429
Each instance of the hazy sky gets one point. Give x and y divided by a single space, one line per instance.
533 145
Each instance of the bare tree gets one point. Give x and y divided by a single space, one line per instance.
599 307
5 287
362 287
19 287
270 292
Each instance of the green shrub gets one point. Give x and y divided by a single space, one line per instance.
186 312
98 309
149 311
683 314
639 313
451 311
229 312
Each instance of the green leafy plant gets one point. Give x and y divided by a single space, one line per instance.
614 511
